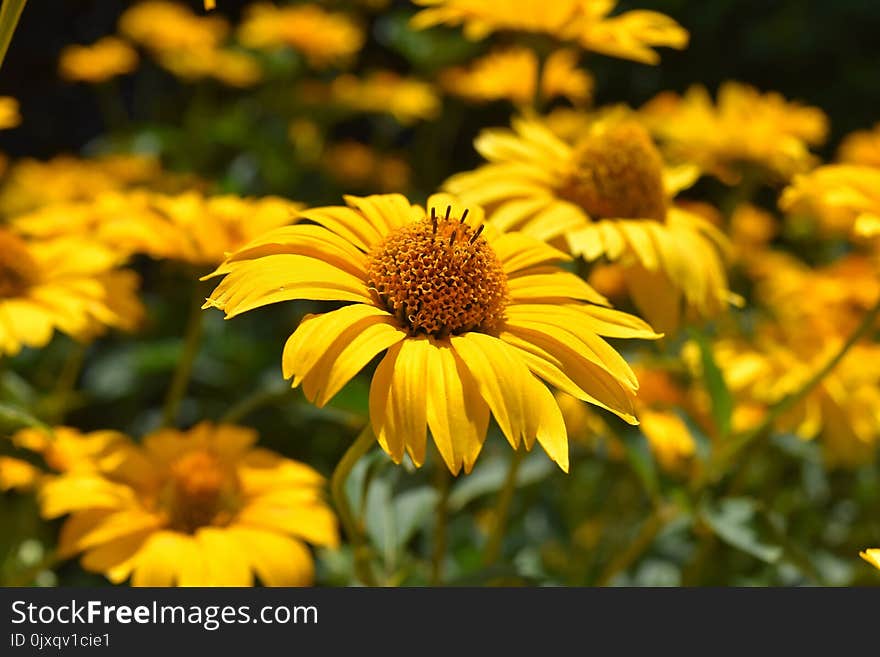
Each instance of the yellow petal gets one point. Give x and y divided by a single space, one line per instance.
225 561
457 417
255 283
500 375
278 560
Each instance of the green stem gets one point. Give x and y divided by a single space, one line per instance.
737 443
10 12
251 403
639 545
502 511
350 524
67 379
180 380
443 484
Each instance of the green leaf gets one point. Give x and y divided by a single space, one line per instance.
722 403
639 457
488 477
733 521
410 510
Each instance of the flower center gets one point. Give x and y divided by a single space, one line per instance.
18 270
439 276
617 173
201 492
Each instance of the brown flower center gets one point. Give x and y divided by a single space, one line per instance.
202 492
617 173
439 276
18 270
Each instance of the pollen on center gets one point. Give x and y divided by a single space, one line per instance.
439 276
617 173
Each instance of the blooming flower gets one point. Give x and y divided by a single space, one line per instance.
630 35
202 507
744 126
608 195
69 285
323 37
9 113
512 74
861 147
190 227
32 184
167 26
470 320
105 59
845 198
380 92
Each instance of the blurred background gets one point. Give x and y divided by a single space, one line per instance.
565 530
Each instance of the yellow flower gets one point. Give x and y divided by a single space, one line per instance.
630 35
861 147
233 68
669 438
18 475
872 556
381 92
845 198
470 320
99 62
608 195
745 126
167 26
357 165
66 449
68 285
190 227
33 184
202 507
9 114
323 37
210 4
512 74
843 410
751 228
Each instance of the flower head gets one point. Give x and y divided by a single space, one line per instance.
861 147
743 126
105 59
608 195
32 184
381 92
845 198
512 74
630 35
203 507
9 113
69 285
164 26
469 320
189 227
323 37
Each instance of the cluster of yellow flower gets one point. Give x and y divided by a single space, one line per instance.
491 300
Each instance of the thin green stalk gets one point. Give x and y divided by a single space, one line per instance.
652 526
180 380
251 403
350 524
67 379
443 484
736 444
10 12
502 510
